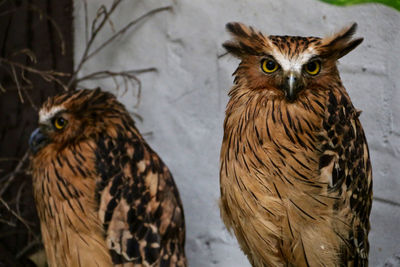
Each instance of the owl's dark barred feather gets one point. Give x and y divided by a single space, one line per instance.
103 196
345 141
296 181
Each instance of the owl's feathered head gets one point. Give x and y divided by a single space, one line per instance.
71 117
287 64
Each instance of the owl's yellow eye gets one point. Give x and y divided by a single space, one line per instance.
59 123
269 66
313 67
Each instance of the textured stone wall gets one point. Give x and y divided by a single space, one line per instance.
183 103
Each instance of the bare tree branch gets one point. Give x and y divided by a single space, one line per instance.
2 88
124 29
47 75
87 54
53 23
127 76
105 74
12 224
95 31
10 159
27 52
16 215
11 176
41 15
16 80
18 198
86 21
24 250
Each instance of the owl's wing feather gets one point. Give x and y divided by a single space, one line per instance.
346 160
139 204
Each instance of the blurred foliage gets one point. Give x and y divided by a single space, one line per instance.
392 3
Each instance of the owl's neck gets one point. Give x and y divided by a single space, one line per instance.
64 187
260 118
247 107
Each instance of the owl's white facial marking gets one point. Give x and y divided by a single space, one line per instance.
293 64
45 115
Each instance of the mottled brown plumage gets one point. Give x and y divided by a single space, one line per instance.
296 181
103 196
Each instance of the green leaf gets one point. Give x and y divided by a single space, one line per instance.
392 3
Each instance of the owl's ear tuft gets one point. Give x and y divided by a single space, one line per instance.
246 41
238 29
340 44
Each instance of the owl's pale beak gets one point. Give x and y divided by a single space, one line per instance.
291 86
37 140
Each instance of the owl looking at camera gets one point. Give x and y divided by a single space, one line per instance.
295 176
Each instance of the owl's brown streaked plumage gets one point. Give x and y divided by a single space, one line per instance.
296 180
103 196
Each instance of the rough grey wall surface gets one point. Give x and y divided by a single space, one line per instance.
183 103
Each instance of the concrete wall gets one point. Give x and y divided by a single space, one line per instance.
183 103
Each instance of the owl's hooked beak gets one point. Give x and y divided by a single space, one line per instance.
37 140
291 86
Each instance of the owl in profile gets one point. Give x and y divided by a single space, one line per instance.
295 176
103 196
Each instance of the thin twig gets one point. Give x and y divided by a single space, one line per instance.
27 52
47 75
16 80
16 215
41 14
9 159
8 12
86 21
12 224
147 134
53 23
95 31
11 175
2 88
28 96
222 55
8 175
386 201
127 76
18 198
101 14
124 29
105 74
136 115
36 241
12 232
87 54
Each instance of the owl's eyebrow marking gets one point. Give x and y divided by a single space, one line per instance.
265 56
58 114
45 116
314 57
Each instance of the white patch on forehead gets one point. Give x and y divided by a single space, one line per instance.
46 115
294 63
